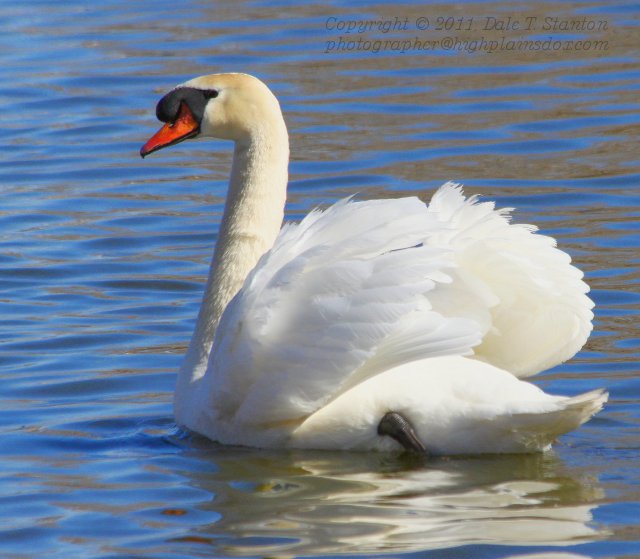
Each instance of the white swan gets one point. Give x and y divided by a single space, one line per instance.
384 324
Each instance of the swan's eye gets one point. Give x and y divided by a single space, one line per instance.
210 94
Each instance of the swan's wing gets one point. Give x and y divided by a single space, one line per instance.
339 297
366 286
540 315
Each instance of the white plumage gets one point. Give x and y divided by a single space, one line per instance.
431 311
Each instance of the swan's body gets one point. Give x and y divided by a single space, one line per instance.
309 335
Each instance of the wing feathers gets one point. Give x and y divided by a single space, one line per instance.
538 295
343 287
365 286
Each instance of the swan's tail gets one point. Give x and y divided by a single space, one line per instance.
539 430
584 406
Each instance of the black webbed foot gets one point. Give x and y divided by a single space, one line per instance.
397 427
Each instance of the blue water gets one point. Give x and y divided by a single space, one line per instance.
103 258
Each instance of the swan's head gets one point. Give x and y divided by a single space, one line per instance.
228 106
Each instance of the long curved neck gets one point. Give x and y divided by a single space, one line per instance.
251 221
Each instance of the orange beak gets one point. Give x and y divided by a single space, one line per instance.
183 128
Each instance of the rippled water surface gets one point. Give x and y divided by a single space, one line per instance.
103 258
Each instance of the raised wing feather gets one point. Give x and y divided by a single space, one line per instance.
539 313
339 297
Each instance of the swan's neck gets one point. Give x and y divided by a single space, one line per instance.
252 218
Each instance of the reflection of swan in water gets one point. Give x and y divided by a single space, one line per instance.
551 555
322 503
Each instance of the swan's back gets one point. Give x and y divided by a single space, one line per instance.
367 286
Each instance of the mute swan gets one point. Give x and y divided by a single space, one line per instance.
373 325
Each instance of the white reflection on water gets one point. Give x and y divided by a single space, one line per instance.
322 503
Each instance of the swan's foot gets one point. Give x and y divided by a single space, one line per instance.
398 428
